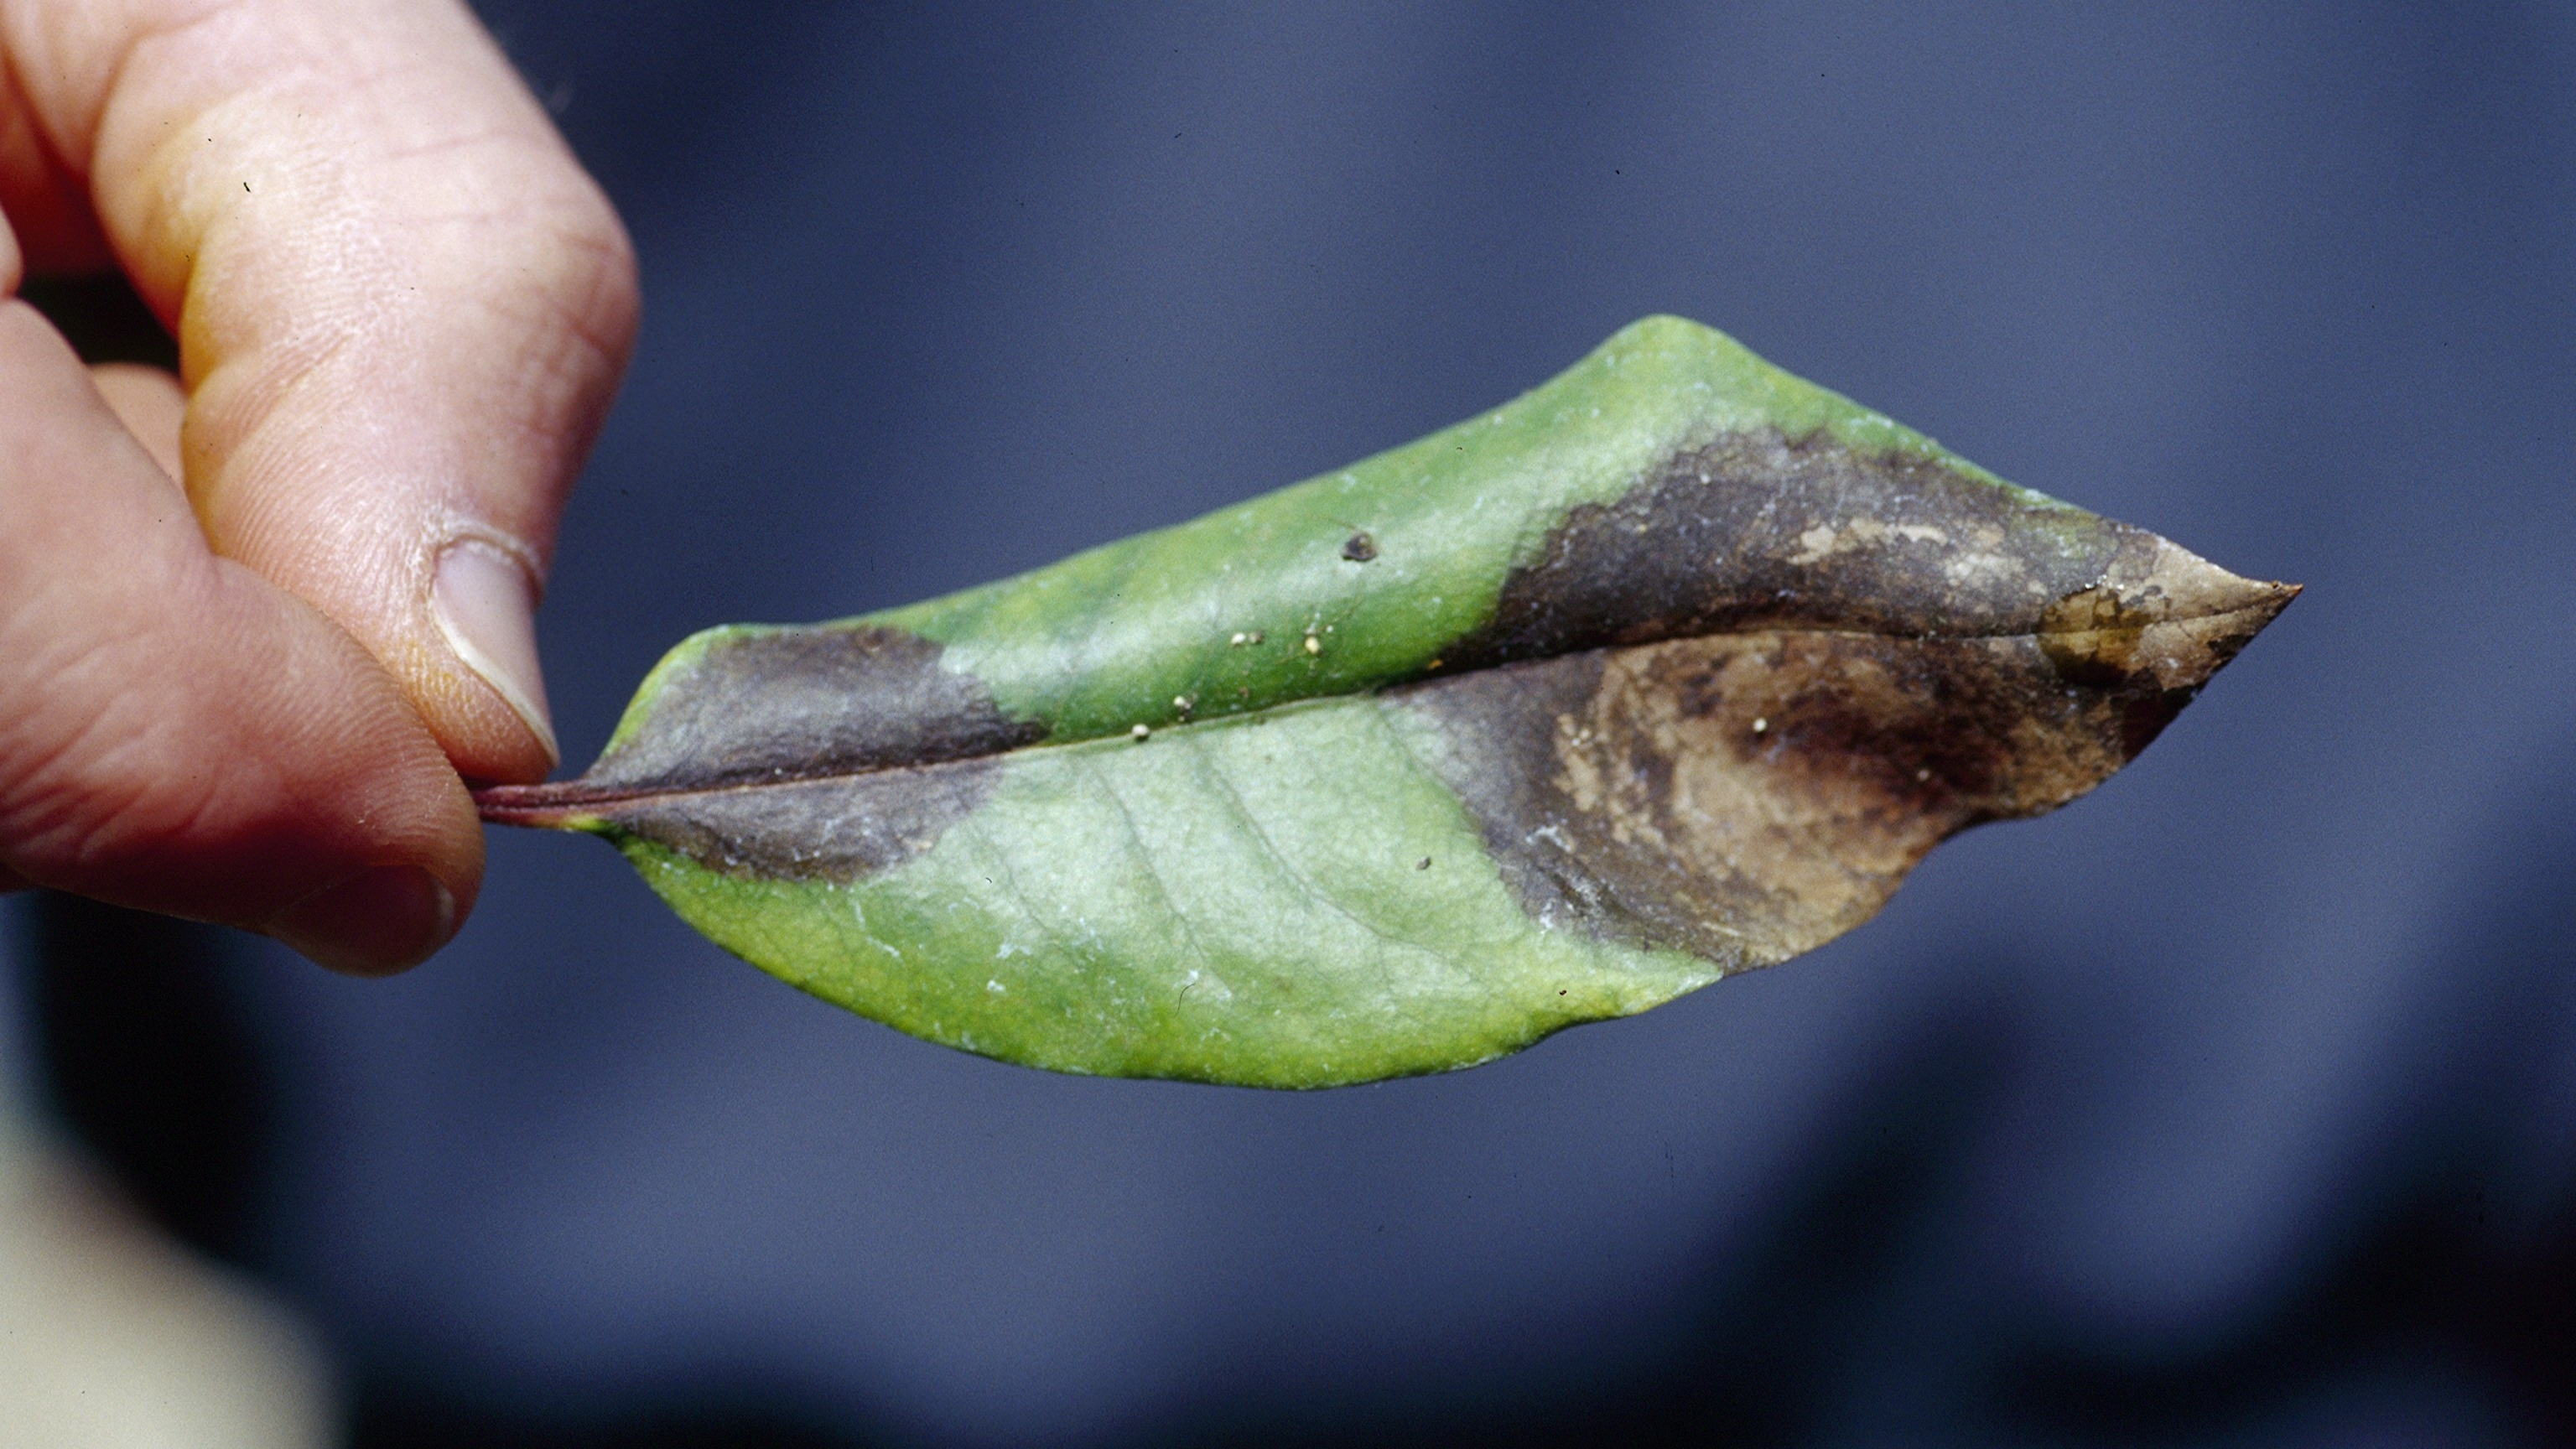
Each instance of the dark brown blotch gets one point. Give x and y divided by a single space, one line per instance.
826 753
801 704
1763 530
836 830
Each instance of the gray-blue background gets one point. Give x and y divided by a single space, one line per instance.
2236 1103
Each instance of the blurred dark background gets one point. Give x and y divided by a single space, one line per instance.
2233 1105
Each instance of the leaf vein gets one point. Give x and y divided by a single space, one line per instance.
1153 868
1306 886
1000 860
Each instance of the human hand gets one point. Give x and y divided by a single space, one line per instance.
249 695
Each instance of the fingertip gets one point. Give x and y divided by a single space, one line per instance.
384 919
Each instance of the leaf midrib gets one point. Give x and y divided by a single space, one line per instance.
564 801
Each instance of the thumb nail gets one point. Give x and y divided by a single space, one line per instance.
377 922
487 608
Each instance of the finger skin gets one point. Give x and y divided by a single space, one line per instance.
176 732
150 404
402 308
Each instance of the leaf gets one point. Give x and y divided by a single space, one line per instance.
1669 668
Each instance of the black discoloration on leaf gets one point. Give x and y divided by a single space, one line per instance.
796 704
803 754
831 829
1359 548
1757 530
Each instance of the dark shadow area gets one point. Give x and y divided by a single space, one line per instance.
388 1415
147 1053
2420 1286
102 318
142 1047
2448 1254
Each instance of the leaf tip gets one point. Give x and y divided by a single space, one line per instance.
2164 614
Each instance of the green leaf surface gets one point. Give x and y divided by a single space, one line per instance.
1671 667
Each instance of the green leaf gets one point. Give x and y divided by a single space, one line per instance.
1669 668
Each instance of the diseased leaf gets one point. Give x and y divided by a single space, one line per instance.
1669 668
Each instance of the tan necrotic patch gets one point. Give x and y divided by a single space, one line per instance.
1746 797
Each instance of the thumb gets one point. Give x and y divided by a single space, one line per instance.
402 311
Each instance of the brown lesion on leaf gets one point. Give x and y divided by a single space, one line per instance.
836 829
780 704
832 752
1746 796
1763 530
2091 634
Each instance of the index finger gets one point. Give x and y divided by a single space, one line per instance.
402 309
